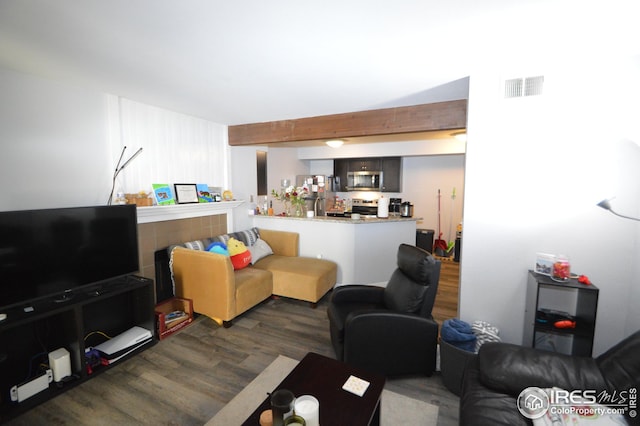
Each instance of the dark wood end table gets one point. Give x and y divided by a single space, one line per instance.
323 378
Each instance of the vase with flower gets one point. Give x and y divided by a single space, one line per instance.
292 197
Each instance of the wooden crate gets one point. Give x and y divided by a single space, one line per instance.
138 200
166 327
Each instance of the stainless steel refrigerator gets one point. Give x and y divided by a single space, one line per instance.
320 192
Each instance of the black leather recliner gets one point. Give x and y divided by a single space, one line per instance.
492 382
389 330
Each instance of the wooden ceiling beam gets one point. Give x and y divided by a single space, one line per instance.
418 118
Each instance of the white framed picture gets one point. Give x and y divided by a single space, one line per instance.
186 193
544 263
162 193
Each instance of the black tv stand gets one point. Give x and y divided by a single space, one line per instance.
96 291
75 323
65 297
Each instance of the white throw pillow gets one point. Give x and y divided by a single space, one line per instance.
259 250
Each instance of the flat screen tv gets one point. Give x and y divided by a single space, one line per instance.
44 253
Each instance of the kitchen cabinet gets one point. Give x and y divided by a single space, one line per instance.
340 169
390 166
546 297
392 177
364 165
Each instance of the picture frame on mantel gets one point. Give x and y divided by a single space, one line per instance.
163 195
186 193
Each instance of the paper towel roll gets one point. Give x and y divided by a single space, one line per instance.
383 207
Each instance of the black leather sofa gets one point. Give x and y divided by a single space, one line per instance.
493 381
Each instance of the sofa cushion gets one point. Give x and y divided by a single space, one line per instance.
252 287
413 282
511 368
402 294
248 237
621 364
200 245
415 263
301 278
241 260
481 406
196 245
259 250
338 313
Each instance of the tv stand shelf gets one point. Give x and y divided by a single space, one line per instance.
78 322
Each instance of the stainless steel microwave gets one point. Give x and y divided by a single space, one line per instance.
364 181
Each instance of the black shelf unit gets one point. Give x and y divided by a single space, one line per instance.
110 308
574 298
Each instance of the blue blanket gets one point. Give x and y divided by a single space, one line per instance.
459 334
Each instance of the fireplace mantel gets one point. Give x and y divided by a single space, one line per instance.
186 211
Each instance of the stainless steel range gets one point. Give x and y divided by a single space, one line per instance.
366 208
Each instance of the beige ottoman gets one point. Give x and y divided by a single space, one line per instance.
302 278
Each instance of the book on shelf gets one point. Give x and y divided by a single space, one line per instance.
175 317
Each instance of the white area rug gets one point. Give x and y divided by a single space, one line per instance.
396 409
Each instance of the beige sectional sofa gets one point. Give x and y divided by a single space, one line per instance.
222 293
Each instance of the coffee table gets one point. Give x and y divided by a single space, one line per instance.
323 378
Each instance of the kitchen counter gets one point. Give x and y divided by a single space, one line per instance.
364 249
338 219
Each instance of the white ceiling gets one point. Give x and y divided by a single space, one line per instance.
245 61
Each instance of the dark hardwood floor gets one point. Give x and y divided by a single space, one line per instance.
446 304
186 378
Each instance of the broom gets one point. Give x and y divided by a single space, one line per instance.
439 242
451 243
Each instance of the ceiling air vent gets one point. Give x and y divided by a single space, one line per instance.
528 86
513 88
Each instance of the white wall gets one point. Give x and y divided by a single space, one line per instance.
244 183
56 150
535 168
533 174
177 148
54 145
281 164
421 179
284 164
